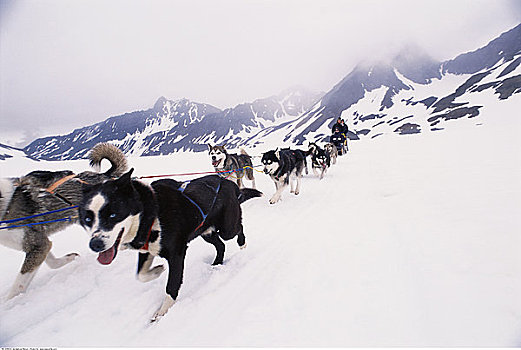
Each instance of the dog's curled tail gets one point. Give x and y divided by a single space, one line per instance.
248 193
113 154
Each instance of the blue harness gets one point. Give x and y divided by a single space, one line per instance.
182 189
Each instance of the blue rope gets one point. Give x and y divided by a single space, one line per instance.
37 223
182 189
37 215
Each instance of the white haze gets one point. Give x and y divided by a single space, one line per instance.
66 64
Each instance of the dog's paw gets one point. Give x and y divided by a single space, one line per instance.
155 318
152 274
71 257
167 304
156 271
274 200
243 246
297 193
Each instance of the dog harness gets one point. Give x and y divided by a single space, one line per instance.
52 188
182 189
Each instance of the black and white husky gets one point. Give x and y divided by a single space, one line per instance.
160 219
332 151
232 166
284 167
320 160
41 192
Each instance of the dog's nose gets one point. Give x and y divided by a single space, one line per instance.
97 245
213 157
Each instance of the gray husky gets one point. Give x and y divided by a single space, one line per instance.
41 192
332 151
232 166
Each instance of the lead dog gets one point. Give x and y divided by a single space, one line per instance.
284 167
113 214
232 165
40 192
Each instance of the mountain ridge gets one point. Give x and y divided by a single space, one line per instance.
411 92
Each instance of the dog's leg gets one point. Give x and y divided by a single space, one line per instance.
35 256
21 283
56 263
280 185
324 169
241 239
315 171
168 302
251 177
144 272
215 240
297 190
292 184
175 279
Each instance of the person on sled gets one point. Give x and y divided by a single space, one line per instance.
342 128
338 139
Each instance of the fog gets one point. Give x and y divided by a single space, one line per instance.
66 64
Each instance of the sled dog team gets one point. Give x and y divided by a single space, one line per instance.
157 219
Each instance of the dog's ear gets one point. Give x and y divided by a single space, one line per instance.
277 153
223 145
86 188
210 146
125 179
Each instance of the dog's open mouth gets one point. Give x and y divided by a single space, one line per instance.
216 162
107 256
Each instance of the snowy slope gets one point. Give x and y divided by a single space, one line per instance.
408 241
9 153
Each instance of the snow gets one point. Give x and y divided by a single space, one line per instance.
408 241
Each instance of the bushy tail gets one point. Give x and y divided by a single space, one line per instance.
248 193
113 154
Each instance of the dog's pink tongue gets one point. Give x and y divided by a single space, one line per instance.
107 256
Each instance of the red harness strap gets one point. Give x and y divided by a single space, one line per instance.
145 247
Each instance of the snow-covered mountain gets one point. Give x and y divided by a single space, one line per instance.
8 152
411 93
176 125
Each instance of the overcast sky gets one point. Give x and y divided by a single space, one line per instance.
65 64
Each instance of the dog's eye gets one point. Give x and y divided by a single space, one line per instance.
112 216
88 219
